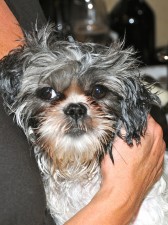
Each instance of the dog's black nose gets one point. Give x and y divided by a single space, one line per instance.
76 111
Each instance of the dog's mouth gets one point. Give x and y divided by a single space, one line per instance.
106 141
76 128
75 132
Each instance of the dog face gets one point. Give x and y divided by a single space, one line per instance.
71 99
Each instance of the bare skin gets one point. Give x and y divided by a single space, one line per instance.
10 32
125 183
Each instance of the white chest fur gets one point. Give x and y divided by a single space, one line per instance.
67 196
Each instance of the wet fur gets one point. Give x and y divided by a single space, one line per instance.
69 161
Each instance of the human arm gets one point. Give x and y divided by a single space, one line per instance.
126 182
10 31
15 15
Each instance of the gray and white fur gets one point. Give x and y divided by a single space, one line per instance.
71 99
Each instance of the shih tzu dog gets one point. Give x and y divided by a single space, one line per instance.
71 99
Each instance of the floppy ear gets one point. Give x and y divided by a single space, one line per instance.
11 66
135 107
11 70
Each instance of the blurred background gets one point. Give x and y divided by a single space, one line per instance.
160 8
142 24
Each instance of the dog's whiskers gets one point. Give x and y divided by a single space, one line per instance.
42 80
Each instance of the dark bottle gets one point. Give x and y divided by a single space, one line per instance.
48 9
57 11
134 20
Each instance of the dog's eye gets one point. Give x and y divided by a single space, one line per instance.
46 93
99 91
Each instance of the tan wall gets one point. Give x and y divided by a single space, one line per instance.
160 7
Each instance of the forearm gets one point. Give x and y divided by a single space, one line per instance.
106 208
10 32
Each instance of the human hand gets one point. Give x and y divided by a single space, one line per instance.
126 182
135 168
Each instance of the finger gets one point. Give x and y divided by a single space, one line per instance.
158 170
154 127
158 175
160 150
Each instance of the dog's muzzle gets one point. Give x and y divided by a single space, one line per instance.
76 112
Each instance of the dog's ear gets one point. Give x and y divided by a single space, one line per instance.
135 108
11 70
12 65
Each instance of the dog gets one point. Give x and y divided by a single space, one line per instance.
71 100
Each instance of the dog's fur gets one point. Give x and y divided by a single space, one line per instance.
71 100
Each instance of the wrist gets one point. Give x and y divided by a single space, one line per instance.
117 207
104 209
